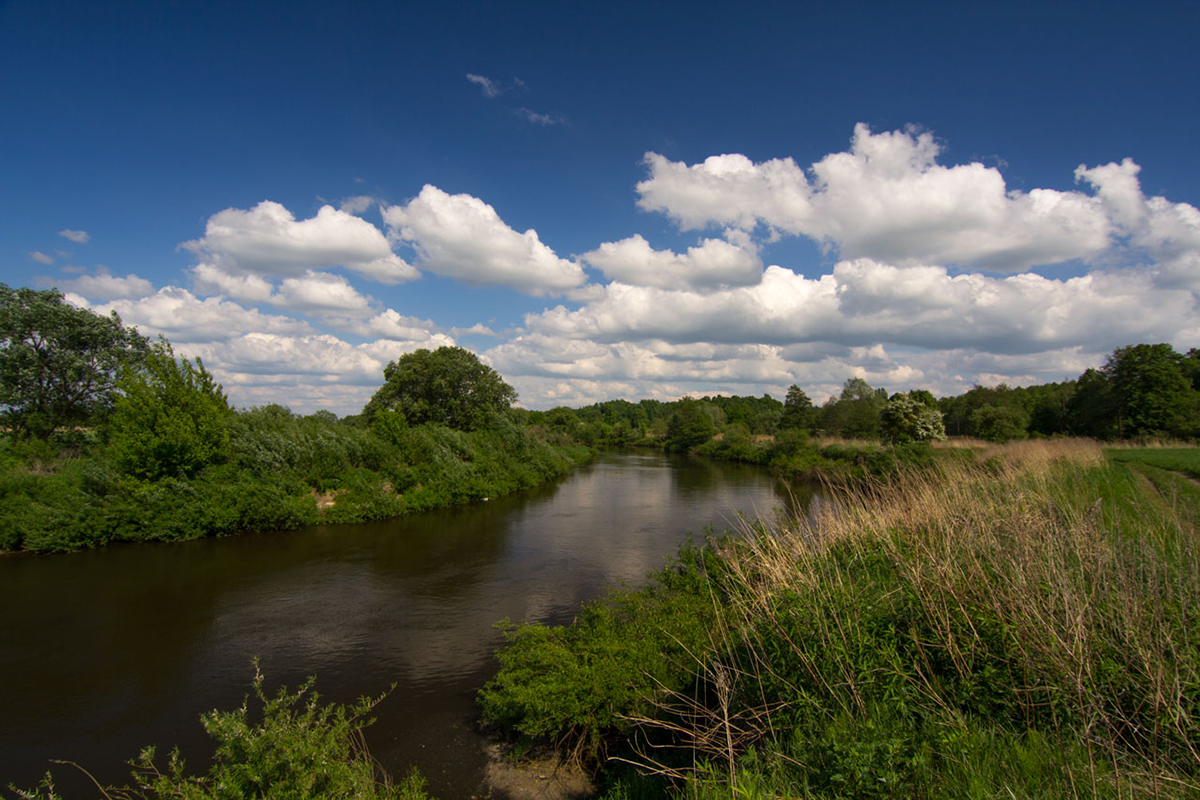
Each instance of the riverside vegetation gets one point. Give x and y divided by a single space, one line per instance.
1025 623
112 438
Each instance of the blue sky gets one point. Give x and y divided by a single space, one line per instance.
611 199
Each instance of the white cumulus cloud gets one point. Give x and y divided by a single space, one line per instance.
710 265
268 240
886 198
103 286
462 237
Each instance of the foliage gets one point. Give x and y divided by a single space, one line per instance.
280 466
931 638
582 683
689 426
448 386
288 746
170 419
1151 392
908 418
999 423
798 410
58 364
855 413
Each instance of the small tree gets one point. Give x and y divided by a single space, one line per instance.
448 386
59 364
171 419
908 418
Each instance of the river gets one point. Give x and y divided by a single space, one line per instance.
106 651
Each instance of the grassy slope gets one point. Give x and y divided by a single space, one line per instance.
1024 625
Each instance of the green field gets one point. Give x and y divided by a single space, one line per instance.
1176 459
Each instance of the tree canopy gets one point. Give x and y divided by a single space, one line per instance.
58 364
449 386
911 417
170 419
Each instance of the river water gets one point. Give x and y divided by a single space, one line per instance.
106 651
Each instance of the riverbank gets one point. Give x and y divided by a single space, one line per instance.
282 472
1023 623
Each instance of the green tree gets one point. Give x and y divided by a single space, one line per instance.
1151 391
690 425
59 364
910 418
171 418
449 386
999 423
855 414
798 410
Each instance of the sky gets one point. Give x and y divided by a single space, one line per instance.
611 200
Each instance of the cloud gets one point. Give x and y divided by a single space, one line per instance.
304 372
541 119
103 286
478 329
319 292
1166 233
711 265
357 204
184 318
210 279
267 240
462 237
864 302
41 258
488 86
888 199
78 237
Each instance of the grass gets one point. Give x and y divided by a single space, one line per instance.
1176 459
1022 624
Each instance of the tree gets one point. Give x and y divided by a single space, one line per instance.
798 410
448 386
690 425
855 414
1151 391
910 418
58 364
999 423
171 418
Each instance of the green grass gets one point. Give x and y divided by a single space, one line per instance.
1023 624
1176 459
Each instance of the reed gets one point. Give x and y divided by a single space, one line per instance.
1022 624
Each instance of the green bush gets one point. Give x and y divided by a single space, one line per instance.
288 746
171 418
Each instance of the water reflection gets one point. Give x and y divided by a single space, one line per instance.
105 652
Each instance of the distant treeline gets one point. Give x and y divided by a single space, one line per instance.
1144 390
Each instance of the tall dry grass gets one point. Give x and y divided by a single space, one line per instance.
1064 580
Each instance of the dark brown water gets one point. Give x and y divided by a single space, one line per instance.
104 652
